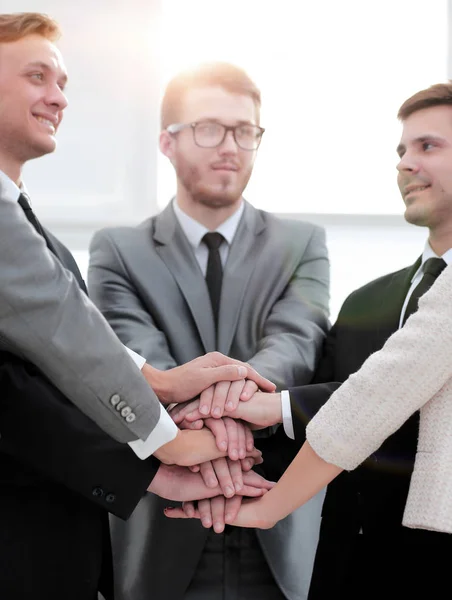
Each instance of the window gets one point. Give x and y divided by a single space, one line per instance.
332 75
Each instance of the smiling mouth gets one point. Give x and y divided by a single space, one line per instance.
47 123
418 188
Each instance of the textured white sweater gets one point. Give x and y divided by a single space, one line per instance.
412 371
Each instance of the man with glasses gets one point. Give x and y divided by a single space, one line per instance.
230 278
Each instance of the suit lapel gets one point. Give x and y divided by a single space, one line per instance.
243 255
174 249
391 301
65 257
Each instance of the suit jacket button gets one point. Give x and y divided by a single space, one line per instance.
114 400
126 411
131 418
98 492
121 405
110 498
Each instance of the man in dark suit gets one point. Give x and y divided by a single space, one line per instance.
364 552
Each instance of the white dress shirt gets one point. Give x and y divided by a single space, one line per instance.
165 430
428 253
194 232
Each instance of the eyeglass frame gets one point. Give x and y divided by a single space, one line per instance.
174 128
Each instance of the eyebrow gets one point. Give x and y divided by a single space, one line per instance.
39 63
419 140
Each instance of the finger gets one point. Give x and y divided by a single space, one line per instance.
205 400
205 513
241 440
228 369
235 470
219 399
231 508
224 478
252 492
185 424
231 428
256 455
194 468
249 439
177 512
208 474
217 507
254 479
189 509
233 398
180 411
247 464
194 416
262 382
218 428
248 391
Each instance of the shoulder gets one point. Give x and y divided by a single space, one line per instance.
123 236
289 226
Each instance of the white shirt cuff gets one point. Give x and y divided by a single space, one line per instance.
137 359
165 431
287 415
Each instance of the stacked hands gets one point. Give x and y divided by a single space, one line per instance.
216 439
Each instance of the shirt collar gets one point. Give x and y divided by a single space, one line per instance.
195 231
429 253
11 191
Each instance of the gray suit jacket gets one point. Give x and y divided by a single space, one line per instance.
47 319
272 314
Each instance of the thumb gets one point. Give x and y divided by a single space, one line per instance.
223 373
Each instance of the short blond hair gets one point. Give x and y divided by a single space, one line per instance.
15 26
231 78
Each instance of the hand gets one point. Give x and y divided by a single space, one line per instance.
262 410
189 380
217 511
193 448
180 484
224 472
232 436
225 395
252 513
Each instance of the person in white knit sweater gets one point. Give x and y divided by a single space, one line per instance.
386 524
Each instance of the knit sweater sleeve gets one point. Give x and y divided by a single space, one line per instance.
392 384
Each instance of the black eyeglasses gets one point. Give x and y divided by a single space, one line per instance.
210 134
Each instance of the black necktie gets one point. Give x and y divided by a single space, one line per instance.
214 273
25 205
431 269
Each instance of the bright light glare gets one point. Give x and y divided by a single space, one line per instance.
332 74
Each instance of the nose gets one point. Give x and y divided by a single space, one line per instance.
56 97
229 145
408 163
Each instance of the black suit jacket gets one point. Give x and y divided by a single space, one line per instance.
364 552
60 475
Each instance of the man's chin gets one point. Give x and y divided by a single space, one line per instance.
417 215
217 200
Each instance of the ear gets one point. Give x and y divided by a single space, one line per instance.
166 142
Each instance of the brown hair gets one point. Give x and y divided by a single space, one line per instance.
439 94
15 26
229 77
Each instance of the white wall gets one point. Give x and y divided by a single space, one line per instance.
105 169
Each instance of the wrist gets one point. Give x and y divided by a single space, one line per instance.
158 381
264 509
170 452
